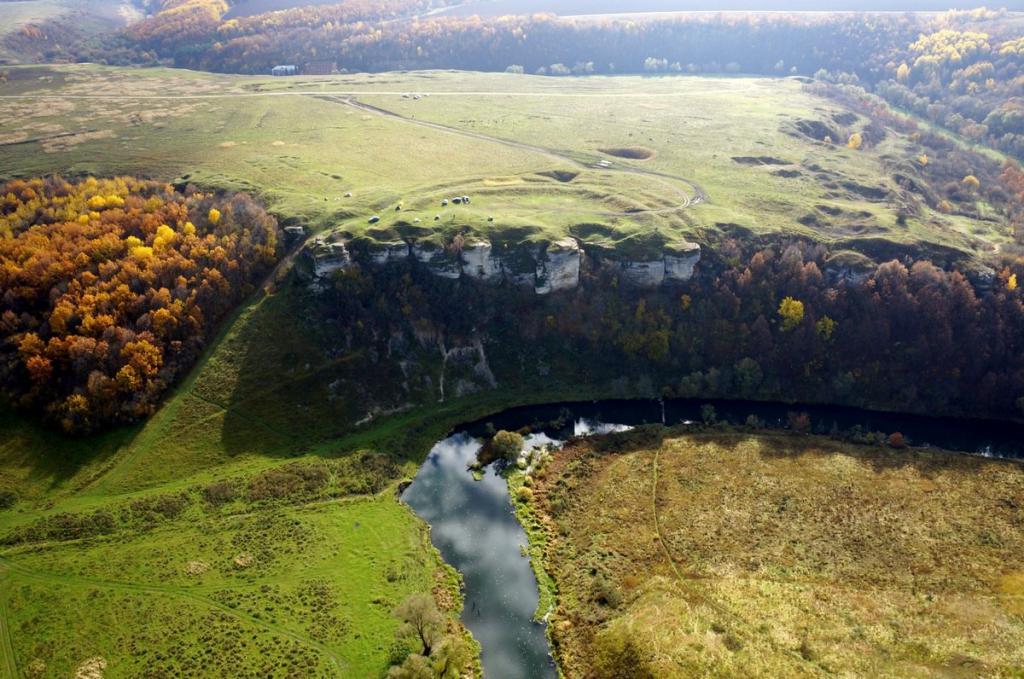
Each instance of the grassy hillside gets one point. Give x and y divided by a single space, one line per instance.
226 534
602 158
774 555
57 25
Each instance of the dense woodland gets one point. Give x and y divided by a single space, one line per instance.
111 288
781 321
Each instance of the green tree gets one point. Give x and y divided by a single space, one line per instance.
451 657
415 666
421 621
708 414
507 445
825 327
748 375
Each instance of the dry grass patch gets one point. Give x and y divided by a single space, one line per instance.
792 555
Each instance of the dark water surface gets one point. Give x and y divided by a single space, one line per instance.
991 438
473 526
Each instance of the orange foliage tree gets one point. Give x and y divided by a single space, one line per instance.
109 289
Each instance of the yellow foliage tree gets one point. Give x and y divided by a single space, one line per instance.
971 183
792 312
214 215
855 141
1011 282
142 252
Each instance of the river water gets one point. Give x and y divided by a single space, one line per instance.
474 527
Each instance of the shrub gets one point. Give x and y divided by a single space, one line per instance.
220 493
287 481
896 440
524 494
8 498
507 445
160 507
606 593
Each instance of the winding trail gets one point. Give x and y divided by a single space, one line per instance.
699 194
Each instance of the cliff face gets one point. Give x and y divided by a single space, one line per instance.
558 267
546 268
327 258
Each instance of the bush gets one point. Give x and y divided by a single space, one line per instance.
524 494
291 480
8 498
507 445
897 440
161 507
220 493
606 593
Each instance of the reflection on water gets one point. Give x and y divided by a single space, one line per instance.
473 526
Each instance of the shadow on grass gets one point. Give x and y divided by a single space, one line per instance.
777 444
38 458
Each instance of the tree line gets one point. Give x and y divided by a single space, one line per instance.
112 286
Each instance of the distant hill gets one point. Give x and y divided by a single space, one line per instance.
577 7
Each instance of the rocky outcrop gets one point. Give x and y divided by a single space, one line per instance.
848 267
546 269
681 261
558 267
479 261
676 264
380 254
436 259
643 274
328 258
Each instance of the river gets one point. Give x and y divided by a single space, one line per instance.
474 527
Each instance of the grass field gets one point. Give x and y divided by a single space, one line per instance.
606 159
775 555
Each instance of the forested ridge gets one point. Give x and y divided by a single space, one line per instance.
111 288
790 320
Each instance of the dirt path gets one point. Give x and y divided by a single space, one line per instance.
9 666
